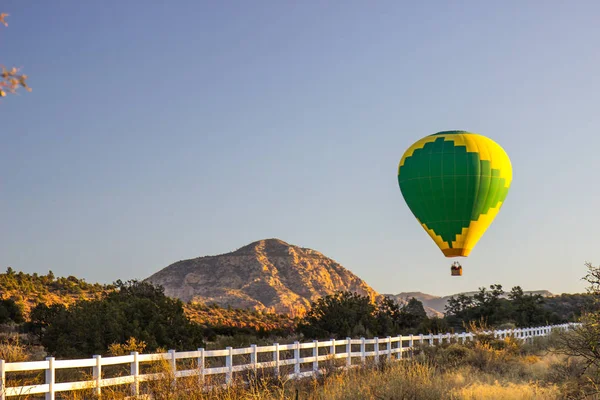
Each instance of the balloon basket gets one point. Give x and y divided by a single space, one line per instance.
456 269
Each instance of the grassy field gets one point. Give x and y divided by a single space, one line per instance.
484 369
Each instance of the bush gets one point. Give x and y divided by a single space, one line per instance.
10 312
11 350
347 314
137 309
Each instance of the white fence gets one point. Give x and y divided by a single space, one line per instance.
300 359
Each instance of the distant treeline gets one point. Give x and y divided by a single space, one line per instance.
21 284
346 314
137 315
519 309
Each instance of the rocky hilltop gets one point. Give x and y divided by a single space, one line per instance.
269 275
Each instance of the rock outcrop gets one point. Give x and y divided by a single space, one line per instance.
269 275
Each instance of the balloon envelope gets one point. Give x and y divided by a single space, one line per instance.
455 182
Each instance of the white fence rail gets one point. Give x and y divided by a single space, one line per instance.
301 359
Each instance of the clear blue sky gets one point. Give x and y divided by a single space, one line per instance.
161 131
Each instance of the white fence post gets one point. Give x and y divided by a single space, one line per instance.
97 374
410 345
229 365
276 358
376 350
135 371
297 359
399 356
201 366
363 356
50 377
332 349
254 357
316 357
389 348
173 361
349 352
2 380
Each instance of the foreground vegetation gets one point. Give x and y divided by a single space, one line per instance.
486 368
137 316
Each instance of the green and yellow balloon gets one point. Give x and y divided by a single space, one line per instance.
455 182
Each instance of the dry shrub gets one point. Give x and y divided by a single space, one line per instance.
402 380
444 356
484 353
131 345
489 359
509 391
11 349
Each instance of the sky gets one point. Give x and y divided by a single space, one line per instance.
163 131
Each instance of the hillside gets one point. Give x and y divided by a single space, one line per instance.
209 316
29 290
437 304
268 275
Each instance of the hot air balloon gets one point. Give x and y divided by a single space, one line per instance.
455 182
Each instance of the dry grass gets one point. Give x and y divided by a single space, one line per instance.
11 349
486 369
422 382
416 379
508 391
401 380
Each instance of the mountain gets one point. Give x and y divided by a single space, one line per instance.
438 304
269 275
403 297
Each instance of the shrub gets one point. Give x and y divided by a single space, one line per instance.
11 350
136 309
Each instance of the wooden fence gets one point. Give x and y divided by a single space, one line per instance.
294 360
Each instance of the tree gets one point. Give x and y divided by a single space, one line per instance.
487 306
10 78
347 314
340 315
434 325
137 310
412 315
41 316
459 305
10 312
527 308
490 304
583 341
